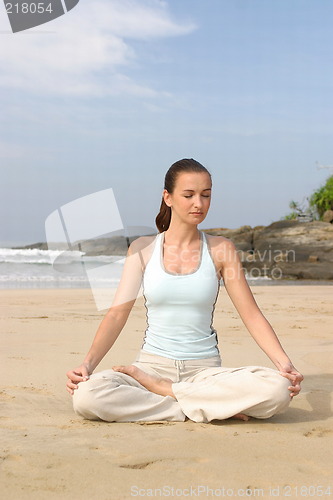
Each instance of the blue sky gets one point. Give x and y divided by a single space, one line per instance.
114 92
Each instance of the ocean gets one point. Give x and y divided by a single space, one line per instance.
34 268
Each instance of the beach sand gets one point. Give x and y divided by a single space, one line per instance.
48 452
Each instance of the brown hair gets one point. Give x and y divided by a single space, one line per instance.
186 165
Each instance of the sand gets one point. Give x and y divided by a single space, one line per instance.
49 452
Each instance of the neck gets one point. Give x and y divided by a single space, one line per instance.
182 233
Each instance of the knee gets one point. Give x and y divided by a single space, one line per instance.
273 394
83 400
91 397
279 398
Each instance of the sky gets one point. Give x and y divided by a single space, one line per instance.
115 91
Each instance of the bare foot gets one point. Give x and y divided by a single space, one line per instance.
241 416
158 385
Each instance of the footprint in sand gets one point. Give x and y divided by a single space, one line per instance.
19 358
320 432
181 462
14 458
156 423
29 389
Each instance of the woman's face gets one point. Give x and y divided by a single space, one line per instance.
190 199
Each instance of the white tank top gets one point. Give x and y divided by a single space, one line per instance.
180 307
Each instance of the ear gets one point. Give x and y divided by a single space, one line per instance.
167 198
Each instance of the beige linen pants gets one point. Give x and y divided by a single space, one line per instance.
204 391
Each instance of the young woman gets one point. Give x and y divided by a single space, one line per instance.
178 372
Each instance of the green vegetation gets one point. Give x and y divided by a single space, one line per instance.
296 210
322 199
315 206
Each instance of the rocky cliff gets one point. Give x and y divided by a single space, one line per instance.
284 249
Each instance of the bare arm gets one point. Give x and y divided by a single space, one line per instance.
107 333
114 320
252 317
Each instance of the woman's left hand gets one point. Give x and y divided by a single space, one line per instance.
295 377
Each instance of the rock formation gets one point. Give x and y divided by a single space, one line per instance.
285 249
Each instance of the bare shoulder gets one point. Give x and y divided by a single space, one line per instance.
220 244
222 250
142 242
142 247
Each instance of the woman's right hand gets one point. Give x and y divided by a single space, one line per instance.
80 374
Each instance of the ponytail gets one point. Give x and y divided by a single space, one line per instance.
163 218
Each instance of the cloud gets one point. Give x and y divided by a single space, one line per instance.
89 49
12 151
145 19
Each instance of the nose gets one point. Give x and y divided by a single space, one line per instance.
197 202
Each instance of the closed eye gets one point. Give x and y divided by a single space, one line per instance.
203 195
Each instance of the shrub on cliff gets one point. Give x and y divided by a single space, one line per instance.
299 210
319 202
322 199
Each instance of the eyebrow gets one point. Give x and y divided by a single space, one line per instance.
192 191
